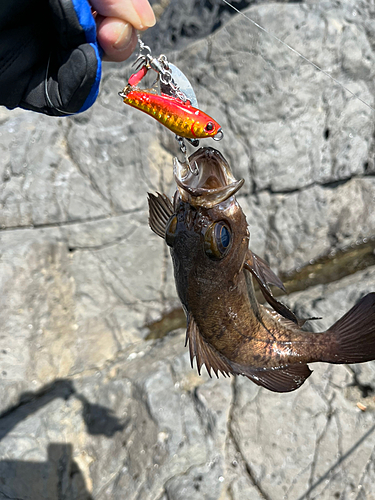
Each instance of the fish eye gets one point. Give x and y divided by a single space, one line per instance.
209 127
217 240
171 230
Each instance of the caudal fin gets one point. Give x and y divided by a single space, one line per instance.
353 335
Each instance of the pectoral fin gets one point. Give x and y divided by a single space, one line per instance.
284 379
160 211
265 276
262 271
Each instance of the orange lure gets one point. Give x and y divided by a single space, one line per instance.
179 117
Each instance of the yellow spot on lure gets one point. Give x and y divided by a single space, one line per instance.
178 116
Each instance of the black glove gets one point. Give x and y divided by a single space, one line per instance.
49 56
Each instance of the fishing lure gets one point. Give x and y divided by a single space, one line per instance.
176 106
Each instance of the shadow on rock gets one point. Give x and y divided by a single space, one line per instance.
56 479
98 419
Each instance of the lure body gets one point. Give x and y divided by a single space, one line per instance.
179 117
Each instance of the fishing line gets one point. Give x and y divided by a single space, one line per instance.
298 54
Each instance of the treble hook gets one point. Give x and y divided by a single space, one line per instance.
194 169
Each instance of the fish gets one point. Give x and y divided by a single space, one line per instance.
228 330
178 116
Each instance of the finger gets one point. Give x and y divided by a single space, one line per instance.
117 38
136 12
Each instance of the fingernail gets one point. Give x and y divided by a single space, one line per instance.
145 12
124 36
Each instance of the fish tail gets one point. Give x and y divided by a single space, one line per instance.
353 335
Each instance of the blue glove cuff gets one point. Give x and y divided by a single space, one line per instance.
87 21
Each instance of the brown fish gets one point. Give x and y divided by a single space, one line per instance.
227 329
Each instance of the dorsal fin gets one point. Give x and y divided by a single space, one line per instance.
160 211
282 379
204 352
265 276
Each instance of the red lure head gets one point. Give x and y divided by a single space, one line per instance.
205 126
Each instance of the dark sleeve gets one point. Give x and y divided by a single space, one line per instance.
49 57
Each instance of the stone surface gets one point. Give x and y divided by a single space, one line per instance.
182 21
148 425
90 409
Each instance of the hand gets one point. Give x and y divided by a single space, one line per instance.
116 22
50 54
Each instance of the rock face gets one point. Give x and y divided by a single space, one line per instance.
90 408
182 21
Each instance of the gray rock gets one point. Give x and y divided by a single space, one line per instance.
138 425
297 445
93 410
57 477
290 229
147 424
288 124
182 21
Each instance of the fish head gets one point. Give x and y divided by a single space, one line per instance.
208 231
205 126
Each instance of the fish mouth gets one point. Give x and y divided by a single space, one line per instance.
206 180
